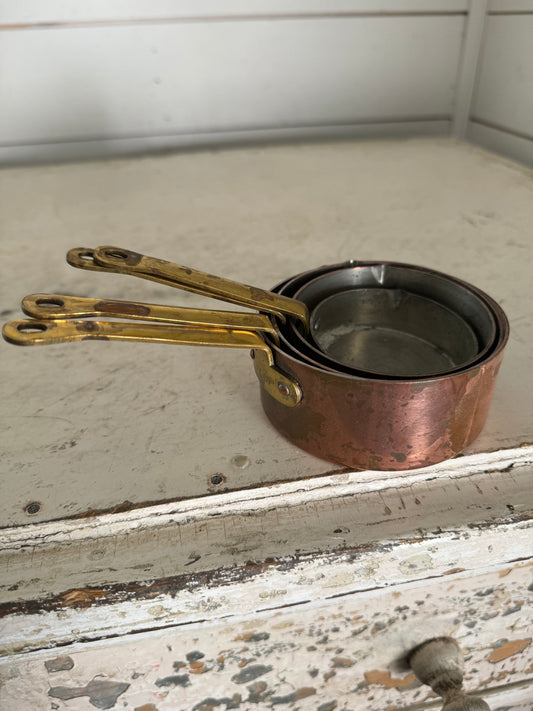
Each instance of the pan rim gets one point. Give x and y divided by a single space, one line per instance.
293 285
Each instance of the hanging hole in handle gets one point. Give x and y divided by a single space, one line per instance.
32 327
116 254
86 254
50 303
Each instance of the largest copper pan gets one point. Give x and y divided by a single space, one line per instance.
384 424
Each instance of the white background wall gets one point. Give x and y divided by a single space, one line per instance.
91 79
502 107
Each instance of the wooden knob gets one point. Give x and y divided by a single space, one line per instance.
439 663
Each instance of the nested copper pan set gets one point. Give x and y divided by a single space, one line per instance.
370 365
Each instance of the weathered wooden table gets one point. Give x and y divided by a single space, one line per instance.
162 546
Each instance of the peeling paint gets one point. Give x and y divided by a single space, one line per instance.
58 664
83 597
174 680
342 662
416 563
261 660
383 678
293 697
250 673
102 694
198 668
504 573
508 649
210 704
257 692
253 637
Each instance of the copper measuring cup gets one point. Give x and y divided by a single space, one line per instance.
360 421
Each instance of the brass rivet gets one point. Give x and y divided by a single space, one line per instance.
284 389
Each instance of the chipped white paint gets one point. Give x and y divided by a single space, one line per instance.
408 566
348 649
437 514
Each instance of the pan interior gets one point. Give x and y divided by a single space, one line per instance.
392 331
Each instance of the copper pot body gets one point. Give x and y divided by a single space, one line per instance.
383 425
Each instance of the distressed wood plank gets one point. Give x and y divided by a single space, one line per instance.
371 520
350 649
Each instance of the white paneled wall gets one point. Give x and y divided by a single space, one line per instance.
502 107
102 78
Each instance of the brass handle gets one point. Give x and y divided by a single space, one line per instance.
124 261
439 663
59 306
31 332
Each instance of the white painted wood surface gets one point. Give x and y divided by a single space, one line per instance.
504 95
118 423
151 76
323 514
34 12
504 7
502 142
468 67
177 81
198 559
502 108
261 558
